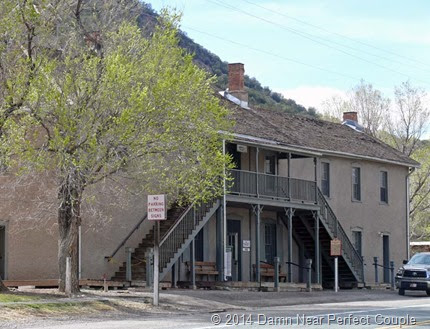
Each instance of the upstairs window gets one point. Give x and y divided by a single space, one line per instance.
356 184
384 186
325 178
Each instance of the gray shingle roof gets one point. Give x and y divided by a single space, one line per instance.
313 134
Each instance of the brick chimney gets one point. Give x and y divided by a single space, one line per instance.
350 116
236 81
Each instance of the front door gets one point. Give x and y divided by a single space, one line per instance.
386 257
199 246
2 251
270 242
233 242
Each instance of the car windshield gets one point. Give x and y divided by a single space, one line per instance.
420 259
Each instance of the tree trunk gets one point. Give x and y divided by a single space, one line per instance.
69 196
3 288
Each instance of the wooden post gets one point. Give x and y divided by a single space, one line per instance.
290 244
257 244
68 288
128 274
317 248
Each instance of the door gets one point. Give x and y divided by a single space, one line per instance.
199 246
270 242
270 175
236 161
386 257
2 252
233 242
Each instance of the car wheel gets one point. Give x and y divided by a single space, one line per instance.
401 292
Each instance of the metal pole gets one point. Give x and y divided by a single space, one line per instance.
309 279
336 274
68 283
128 275
156 263
375 262
317 249
290 244
256 170
257 245
193 264
276 261
392 274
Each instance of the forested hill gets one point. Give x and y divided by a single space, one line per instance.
258 95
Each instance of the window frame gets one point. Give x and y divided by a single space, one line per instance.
358 197
325 164
383 190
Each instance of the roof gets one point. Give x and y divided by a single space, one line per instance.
311 134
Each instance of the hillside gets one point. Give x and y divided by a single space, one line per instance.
258 95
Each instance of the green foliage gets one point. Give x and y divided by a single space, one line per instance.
138 108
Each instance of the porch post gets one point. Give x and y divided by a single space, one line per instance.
219 244
316 178
317 248
224 222
256 171
290 213
193 264
289 176
257 211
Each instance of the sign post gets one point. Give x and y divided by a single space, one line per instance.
336 251
156 212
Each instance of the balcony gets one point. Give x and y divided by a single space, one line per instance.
259 185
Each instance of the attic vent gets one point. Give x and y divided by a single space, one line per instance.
354 125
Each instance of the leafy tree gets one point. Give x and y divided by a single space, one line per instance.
106 101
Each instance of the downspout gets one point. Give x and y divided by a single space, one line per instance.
407 213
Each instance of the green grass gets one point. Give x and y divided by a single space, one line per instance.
11 298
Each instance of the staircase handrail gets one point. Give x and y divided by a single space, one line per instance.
172 228
344 238
135 228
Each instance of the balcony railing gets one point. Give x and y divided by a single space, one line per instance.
252 184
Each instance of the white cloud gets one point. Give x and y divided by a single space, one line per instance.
312 95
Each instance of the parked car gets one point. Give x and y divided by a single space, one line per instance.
415 274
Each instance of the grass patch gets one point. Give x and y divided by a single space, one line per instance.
21 311
12 298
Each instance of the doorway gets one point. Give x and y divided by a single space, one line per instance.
386 257
270 242
2 252
199 255
233 242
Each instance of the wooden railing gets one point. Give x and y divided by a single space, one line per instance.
252 184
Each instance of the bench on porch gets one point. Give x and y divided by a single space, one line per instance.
268 271
204 268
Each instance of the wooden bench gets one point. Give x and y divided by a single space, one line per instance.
268 271
204 268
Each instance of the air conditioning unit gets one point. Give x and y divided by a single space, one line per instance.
242 148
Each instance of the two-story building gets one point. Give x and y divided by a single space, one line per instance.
298 183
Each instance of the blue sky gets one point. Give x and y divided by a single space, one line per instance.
282 42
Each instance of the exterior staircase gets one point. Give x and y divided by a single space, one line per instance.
138 260
176 232
183 232
350 263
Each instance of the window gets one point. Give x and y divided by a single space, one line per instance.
357 241
384 186
356 184
270 242
325 178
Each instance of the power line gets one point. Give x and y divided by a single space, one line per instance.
342 36
310 37
273 54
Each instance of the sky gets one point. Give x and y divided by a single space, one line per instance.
310 50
